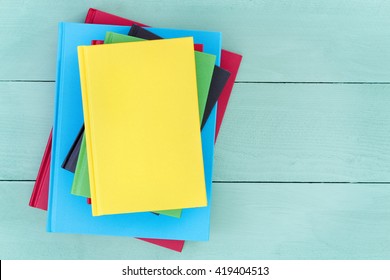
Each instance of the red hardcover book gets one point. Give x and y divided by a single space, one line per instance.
175 245
198 47
40 192
97 42
99 17
229 61
41 187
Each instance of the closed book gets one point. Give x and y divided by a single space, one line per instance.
218 82
100 17
143 138
138 31
194 223
80 185
204 69
229 61
73 154
39 194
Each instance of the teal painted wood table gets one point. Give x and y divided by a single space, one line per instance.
302 164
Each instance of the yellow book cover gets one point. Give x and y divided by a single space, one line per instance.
142 126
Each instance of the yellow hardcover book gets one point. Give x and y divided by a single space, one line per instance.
142 126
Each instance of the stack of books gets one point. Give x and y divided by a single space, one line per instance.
137 113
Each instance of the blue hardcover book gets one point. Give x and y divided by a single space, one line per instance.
68 213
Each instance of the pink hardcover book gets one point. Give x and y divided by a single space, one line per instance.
41 187
230 61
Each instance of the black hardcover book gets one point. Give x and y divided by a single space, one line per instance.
70 161
138 31
218 82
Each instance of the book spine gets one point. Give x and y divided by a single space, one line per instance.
90 15
133 30
71 158
40 176
84 95
56 126
108 38
229 61
41 183
80 185
218 62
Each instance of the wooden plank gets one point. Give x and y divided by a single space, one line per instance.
272 132
264 221
280 40
26 113
311 133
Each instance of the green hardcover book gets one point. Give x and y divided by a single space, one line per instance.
80 184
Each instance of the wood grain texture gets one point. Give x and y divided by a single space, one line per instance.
26 113
271 132
281 40
265 221
311 133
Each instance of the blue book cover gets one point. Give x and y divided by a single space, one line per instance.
70 214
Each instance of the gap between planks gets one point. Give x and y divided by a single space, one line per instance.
259 182
237 82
